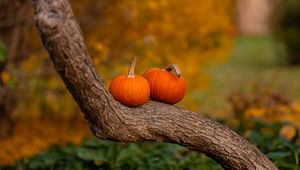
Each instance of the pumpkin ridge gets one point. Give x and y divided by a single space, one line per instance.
168 91
175 92
124 90
131 91
163 88
120 88
154 83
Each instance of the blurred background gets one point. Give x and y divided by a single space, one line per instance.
241 60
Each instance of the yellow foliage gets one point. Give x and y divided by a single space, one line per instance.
288 131
30 64
255 112
295 107
277 113
5 77
31 136
263 103
189 33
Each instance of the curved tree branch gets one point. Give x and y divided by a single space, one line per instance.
153 121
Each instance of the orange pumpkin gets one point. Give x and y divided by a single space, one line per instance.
164 85
130 90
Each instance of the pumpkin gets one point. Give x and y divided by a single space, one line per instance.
130 90
166 86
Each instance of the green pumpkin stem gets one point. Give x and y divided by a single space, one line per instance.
175 68
132 67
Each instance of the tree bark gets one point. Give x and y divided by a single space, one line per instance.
153 121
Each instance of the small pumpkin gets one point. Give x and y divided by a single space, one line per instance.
130 90
166 86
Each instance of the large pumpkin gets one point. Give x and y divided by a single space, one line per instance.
130 90
166 86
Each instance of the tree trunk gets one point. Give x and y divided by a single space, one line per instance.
153 121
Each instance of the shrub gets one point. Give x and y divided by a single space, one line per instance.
286 22
94 154
264 103
188 33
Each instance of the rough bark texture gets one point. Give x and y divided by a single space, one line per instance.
153 121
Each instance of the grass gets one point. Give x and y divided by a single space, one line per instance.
254 60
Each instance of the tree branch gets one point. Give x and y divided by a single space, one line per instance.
154 121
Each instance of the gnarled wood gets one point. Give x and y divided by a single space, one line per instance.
153 121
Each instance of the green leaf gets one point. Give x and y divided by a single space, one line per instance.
48 160
74 166
92 143
286 165
68 150
35 164
100 155
277 155
91 154
130 151
87 154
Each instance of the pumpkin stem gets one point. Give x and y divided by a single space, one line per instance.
175 68
131 68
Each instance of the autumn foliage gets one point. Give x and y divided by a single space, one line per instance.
33 135
267 105
191 34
